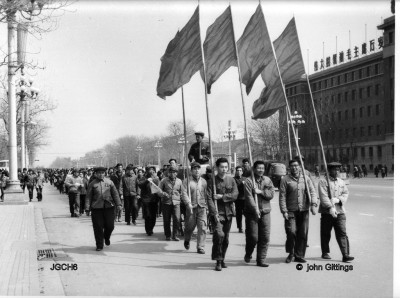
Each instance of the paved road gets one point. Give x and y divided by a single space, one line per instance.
138 265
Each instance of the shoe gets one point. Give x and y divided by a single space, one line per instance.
107 242
168 238
175 238
223 265
186 244
262 264
240 230
128 223
247 258
134 222
72 215
99 248
300 260
119 220
218 266
289 259
201 251
347 258
326 256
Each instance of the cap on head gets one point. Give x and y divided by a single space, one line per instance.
208 169
195 165
199 133
173 169
334 164
99 169
298 157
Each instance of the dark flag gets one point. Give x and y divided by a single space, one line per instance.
182 58
219 48
291 66
254 48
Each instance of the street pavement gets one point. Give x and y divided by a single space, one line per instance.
138 265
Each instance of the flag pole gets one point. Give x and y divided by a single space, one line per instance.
208 120
185 159
288 133
244 114
296 141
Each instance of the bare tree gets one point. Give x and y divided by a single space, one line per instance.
176 127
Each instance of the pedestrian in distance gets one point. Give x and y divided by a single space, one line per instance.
74 184
257 211
40 179
196 207
376 171
239 203
223 196
82 195
246 167
30 183
3 184
199 151
129 187
294 204
101 199
333 214
171 197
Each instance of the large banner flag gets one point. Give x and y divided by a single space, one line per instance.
219 48
254 48
291 66
182 58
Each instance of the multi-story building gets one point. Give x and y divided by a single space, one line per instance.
354 101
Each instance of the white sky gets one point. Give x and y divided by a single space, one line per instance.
103 61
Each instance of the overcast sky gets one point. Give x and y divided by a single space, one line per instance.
102 63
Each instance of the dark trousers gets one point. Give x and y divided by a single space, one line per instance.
173 211
2 193
339 225
130 208
239 205
118 213
39 193
73 202
296 228
221 237
103 224
82 198
257 233
150 210
30 191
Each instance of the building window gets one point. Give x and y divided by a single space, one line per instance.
326 84
346 133
390 37
377 110
376 68
333 135
340 134
361 112
346 115
333 117
371 152
369 130
352 75
378 130
369 111
377 87
360 93
345 77
369 91
360 73
331 82
353 113
346 96
368 71
339 98
338 80
361 131
354 132
339 116
353 94
333 99
379 151
362 152
355 152
319 85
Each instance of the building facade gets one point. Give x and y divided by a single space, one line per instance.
354 102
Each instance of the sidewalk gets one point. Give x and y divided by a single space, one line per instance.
18 257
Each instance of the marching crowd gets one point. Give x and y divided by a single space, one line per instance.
209 200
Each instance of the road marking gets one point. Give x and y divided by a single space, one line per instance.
366 214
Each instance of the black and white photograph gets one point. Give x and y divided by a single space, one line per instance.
198 148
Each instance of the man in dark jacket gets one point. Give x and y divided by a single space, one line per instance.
129 186
199 151
239 203
294 204
117 180
221 206
101 198
258 220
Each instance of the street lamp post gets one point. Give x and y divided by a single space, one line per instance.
139 149
158 145
230 135
182 141
297 121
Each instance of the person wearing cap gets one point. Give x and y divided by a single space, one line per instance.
74 184
171 196
129 187
101 199
172 162
30 183
223 196
39 183
196 207
149 198
333 214
294 204
199 151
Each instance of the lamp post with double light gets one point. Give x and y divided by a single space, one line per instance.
158 146
181 141
138 150
230 135
297 120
